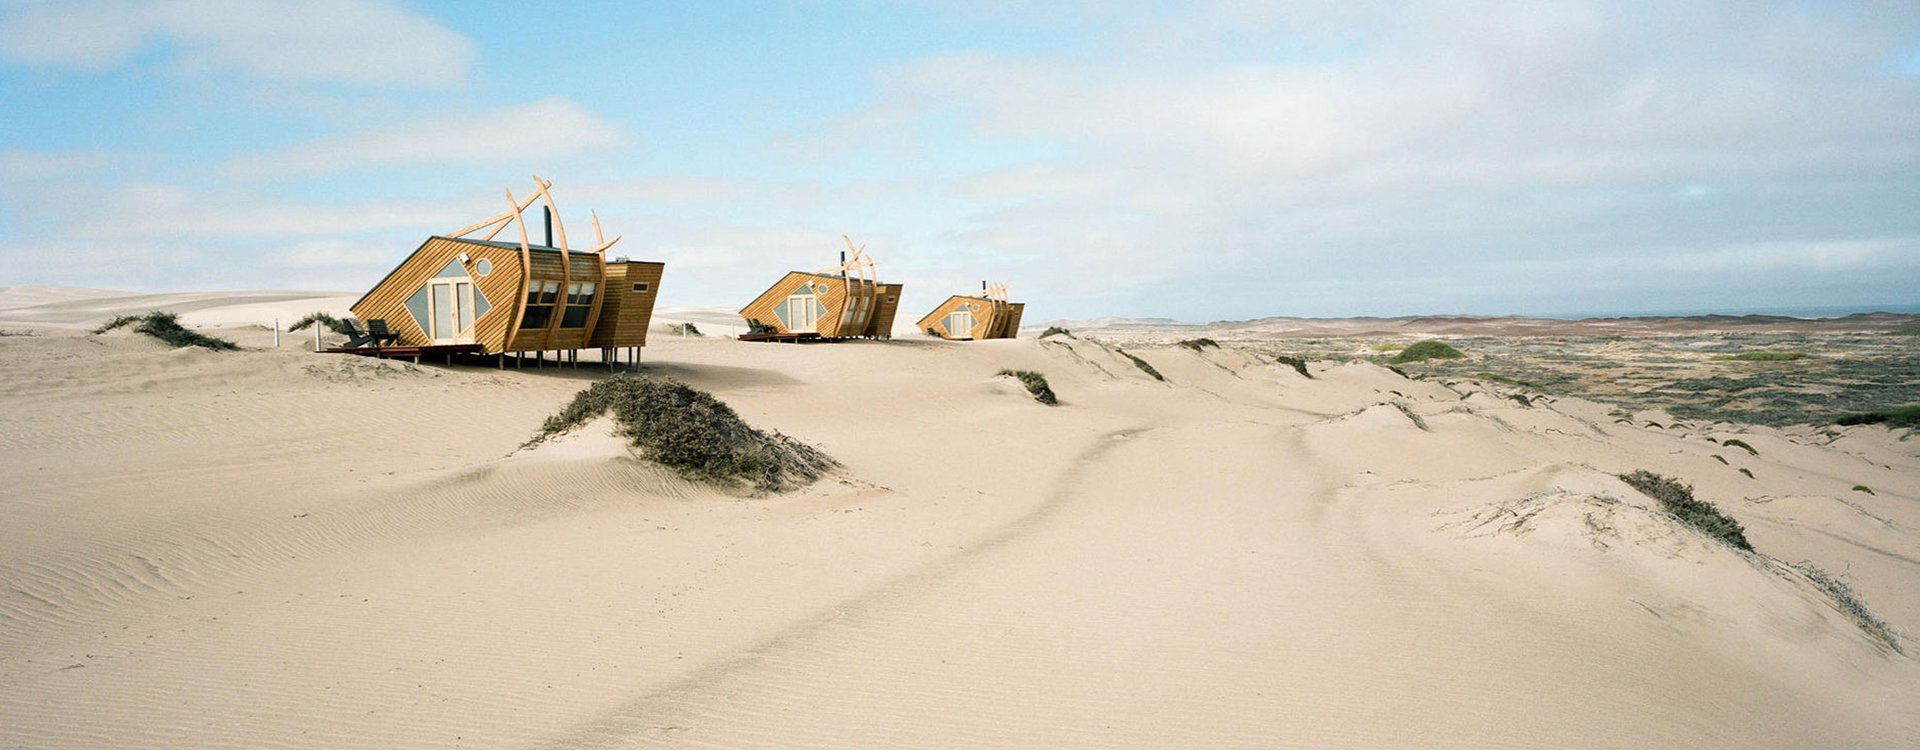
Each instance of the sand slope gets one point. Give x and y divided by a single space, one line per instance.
280 549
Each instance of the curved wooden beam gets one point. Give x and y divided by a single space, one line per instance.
526 272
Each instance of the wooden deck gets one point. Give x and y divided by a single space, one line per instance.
785 338
407 352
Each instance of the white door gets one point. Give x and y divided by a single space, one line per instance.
450 311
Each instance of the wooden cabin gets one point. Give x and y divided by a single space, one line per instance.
970 318
847 301
493 297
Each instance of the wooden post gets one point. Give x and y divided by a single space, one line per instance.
316 337
276 332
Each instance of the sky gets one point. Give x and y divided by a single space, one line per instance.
1189 160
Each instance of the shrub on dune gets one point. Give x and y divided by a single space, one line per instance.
693 433
1677 498
1142 364
166 327
1036 384
1199 344
1056 331
1425 350
333 324
1905 416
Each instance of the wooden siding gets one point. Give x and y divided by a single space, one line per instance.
881 325
1015 310
501 286
505 293
833 300
993 319
625 313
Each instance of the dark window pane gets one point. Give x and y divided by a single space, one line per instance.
536 317
576 316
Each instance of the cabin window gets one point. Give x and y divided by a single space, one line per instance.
891 300
640 287
541 296
483 267
800 313
579 305
959 323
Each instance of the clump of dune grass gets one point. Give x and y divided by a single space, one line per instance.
1299 365
693 433
166 327
1388 346
1142 364
1056 331
1863 488
1905 416
1764 356
1036 384
333 324
1720 458
1748 472
1425 350
1677 498
1199 344
1849 604
684 329
1738 443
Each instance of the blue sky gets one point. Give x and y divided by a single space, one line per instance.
1205 160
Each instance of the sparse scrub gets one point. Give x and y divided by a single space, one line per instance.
1056 331
333 324
1142 364
1748 472
1849 604
693 433
1199 344
1521 399
118 321
1388 346
166 327
1425 350
1764 356
1299 365
1721 459
1738 443
684 329
1412 417
1494 377
1677 498
1036 384
1863 488
1905 416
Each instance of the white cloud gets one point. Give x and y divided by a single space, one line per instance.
358 41
551 127
1304 146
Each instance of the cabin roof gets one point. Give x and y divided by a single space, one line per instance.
514 245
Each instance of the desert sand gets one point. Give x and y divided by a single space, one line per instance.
272 548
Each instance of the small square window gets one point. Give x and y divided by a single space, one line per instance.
640 287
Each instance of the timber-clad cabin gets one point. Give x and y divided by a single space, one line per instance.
846 301
493 297
970 318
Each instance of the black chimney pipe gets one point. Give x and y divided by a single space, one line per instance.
843 256
548 212
983 285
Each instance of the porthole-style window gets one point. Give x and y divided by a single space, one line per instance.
975 306
483 267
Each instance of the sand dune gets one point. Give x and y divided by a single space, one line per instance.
271 548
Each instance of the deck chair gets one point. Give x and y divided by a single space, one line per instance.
356 338
377 331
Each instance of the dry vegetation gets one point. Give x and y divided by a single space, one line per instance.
694 434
